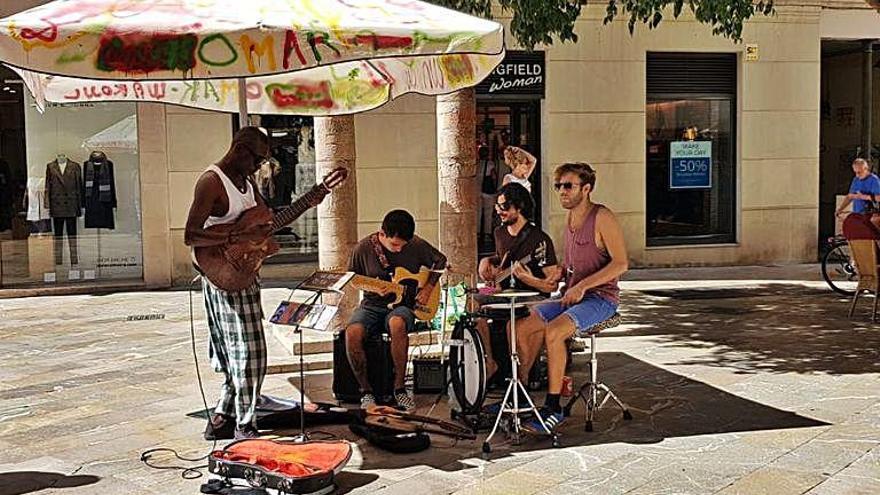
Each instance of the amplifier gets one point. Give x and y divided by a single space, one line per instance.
428 375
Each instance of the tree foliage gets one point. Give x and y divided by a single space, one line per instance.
540 21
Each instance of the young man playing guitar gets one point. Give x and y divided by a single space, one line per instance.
229 229
378 255
524 257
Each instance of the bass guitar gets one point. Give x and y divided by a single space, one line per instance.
234 267
405 286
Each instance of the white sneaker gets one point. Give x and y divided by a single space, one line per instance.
367 400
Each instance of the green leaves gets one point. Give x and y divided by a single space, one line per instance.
537 22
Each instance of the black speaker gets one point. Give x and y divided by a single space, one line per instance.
380 369
428 375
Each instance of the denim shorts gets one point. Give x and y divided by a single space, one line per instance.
592 310
375 319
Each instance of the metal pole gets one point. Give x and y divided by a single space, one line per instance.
867 98
242 103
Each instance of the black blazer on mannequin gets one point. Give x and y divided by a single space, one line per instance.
64 190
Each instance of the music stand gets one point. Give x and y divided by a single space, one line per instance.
318 283
515 384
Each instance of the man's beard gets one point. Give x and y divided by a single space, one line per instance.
510 221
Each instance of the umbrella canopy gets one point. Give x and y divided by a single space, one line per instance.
121 136
317 57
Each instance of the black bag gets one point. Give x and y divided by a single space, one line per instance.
398 443
380 369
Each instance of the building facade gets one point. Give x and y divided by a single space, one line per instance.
710 152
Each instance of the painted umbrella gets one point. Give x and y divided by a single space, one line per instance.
305 57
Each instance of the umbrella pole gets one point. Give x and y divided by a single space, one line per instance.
242 103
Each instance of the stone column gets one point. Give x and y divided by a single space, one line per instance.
338 213
457 178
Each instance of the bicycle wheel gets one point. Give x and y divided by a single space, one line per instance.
839 271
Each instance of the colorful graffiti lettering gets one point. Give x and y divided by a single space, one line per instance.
138 54
458 69
301 95
264 49
208 41
156 91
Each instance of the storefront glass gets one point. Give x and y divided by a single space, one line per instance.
70 189
690 115
289 175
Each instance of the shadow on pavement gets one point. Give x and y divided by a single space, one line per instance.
21 482
775 328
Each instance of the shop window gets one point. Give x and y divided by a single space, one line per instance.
70 210
690 150
288 175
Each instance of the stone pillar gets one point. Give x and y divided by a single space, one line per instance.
338 213
457 178
867 98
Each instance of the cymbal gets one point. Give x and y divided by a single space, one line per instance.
514 293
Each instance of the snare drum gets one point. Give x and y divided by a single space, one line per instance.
468 366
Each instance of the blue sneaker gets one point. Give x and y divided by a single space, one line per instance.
551 419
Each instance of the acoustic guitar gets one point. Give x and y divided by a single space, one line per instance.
405 286
234 267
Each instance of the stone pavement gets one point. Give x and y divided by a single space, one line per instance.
741 380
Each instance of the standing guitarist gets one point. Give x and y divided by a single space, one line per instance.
378 255
522 252
235 317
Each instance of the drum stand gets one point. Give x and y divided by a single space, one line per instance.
515 386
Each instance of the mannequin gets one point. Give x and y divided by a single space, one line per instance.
99 192
64 201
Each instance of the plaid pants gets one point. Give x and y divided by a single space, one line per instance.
238 348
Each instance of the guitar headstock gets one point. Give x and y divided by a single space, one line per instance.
334 178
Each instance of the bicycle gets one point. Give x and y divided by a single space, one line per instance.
838 267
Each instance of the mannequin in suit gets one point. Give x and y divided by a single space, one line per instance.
99 192
64 200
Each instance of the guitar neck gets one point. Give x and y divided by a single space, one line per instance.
300 206
370 284
507 271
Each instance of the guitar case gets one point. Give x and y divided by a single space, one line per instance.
391 440
326 414
278 467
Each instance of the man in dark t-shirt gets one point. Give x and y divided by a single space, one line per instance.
524 257
377 256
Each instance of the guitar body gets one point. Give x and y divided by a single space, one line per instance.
412 282
235 267
405 286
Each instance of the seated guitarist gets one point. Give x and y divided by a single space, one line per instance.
378 255
235 318
515 239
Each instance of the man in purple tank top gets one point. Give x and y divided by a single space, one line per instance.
595 258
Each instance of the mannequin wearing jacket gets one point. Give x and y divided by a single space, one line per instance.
99 192
64 200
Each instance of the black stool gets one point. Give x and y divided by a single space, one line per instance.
590 391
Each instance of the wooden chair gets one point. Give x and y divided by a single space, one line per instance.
864 253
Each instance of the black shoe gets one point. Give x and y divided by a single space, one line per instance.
246 432
220 427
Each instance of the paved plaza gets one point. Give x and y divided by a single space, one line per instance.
740 380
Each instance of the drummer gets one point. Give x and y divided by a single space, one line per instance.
517 238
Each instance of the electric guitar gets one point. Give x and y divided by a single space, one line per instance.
405 286
234 267
540 255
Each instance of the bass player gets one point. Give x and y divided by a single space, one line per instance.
524 257
223 194
378 255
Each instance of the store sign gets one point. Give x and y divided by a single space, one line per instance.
521 73
690 165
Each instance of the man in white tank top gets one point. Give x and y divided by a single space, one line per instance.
235 318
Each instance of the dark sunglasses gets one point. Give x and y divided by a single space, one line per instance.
503 206
568 186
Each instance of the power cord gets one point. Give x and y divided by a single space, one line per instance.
193 472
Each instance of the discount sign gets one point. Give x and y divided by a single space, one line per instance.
690 165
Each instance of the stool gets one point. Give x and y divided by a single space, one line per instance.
590 391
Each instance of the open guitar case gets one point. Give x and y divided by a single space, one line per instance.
275 468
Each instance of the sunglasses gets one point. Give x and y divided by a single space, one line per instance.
503 206
568 186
